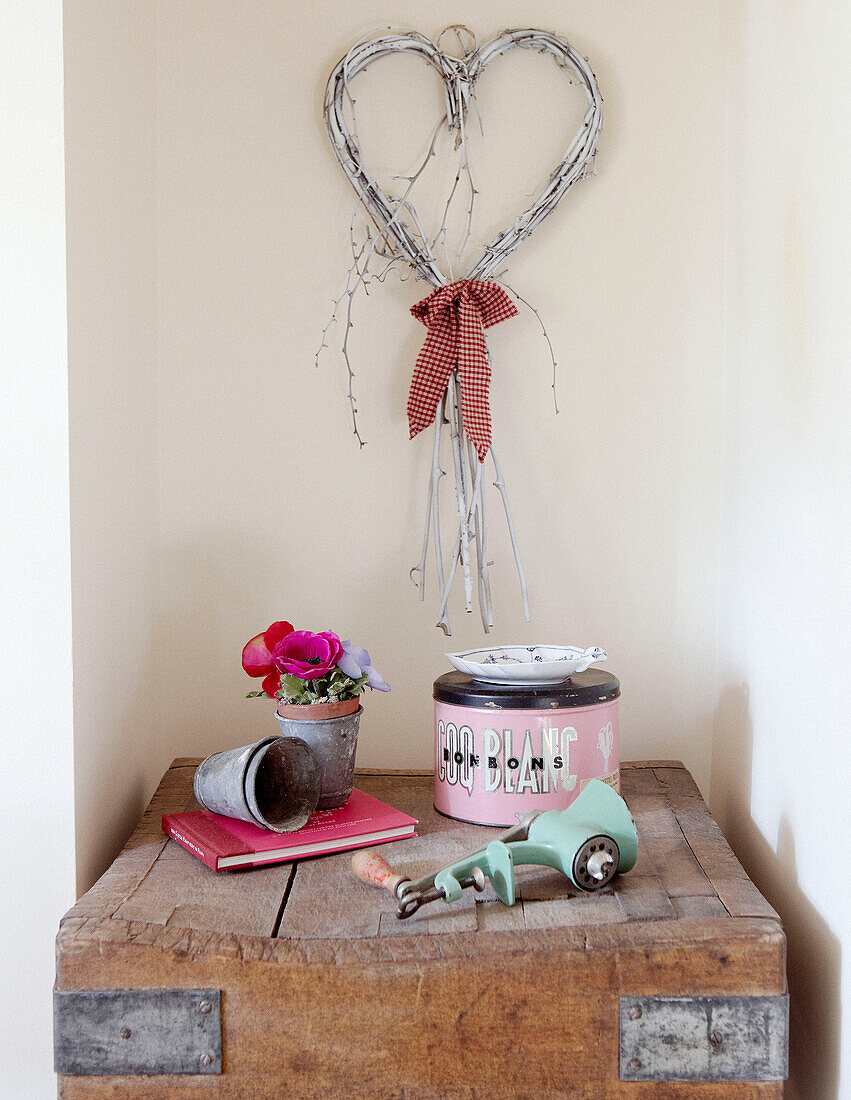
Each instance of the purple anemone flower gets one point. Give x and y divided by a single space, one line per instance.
356 661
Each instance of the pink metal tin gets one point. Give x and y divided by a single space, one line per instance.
502 749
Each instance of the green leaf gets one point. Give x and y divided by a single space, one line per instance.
294 690
292 683
342 687
338 684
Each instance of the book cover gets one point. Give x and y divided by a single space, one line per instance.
223 842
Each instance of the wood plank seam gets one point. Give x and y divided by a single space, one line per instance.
685 836
696 856
284 900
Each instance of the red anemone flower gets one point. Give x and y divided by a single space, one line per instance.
258 659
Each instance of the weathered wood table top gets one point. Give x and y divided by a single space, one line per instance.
685 871
325 993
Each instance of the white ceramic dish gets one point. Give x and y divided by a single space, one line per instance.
525 665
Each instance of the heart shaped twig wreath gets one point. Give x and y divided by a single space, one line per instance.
452 375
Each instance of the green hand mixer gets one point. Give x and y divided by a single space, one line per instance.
590 842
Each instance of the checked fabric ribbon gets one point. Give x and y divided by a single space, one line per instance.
456 317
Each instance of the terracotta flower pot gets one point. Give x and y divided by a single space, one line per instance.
331 730
317 712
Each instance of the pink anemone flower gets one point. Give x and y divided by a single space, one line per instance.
308 655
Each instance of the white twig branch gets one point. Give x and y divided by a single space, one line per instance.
456 434
503 492
529 305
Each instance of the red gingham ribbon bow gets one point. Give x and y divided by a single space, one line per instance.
456 317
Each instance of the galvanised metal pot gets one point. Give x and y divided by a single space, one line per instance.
331 731
503 749
273 783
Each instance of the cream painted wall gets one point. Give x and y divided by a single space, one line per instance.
36 735
268 509
780 763
110 97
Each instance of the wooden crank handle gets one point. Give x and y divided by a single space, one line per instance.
374 870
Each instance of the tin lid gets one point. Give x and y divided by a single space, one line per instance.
582 689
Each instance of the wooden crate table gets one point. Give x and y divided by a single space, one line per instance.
297 980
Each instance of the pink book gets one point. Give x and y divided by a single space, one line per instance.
224 843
